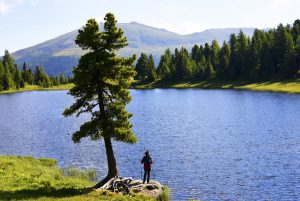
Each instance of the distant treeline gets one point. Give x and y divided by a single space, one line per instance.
272 54
13 78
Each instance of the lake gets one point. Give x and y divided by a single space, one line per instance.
206 144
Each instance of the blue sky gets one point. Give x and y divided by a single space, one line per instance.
24 23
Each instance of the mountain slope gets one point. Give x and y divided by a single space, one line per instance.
60 54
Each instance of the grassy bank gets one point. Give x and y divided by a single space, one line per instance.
27 178
289 86
38 88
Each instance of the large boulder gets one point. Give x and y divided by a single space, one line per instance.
126 185
152 189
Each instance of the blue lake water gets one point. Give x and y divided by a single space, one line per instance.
206 144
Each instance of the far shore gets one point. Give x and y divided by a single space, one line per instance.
39 88
287 86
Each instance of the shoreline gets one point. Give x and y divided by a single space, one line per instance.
38 88
39 179
287 86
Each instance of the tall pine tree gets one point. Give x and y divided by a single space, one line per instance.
101 82
164 65
224 58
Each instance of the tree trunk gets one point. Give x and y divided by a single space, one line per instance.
111 160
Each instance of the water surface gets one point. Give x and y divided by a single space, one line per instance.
206 144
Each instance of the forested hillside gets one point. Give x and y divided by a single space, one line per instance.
13 78
267 55
61 54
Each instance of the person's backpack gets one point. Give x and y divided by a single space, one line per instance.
147 162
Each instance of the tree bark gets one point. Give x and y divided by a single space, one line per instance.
111 160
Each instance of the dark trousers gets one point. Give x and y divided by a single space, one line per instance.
146 175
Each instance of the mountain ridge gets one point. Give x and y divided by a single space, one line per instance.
60 54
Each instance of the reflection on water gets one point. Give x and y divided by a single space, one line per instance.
206 144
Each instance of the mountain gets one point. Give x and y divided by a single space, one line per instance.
60 54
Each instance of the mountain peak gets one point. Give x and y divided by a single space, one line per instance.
135 22
60 54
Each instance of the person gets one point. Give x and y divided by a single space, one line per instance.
147 161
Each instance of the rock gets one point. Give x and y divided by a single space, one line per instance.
153 189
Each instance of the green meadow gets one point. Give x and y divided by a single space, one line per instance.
28 178
289 86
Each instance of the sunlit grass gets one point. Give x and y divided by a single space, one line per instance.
27 178
289 86
38 88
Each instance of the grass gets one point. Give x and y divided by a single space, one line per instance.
165 195
27 178
285 86
288 86
38 88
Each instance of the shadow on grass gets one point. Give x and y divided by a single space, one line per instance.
50 192
270 85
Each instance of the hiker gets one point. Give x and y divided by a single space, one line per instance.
147 161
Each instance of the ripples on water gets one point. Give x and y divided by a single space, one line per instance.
206 144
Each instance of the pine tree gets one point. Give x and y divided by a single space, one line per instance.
38 76
9 62
214 55
196 53
267 65
257 41
296 30
207 51
224 58
174 65
24 72
242 68
279 47
297 49
141 67
30 77
184 65
200 70
102 79
46 81
151 69
22 84
1 75
62 79
209 71
17 78
233 61
7 80
289 65
164 65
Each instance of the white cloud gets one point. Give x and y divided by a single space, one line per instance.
33 2
278 4
4 8
7 5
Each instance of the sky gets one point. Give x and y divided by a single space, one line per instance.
24 23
